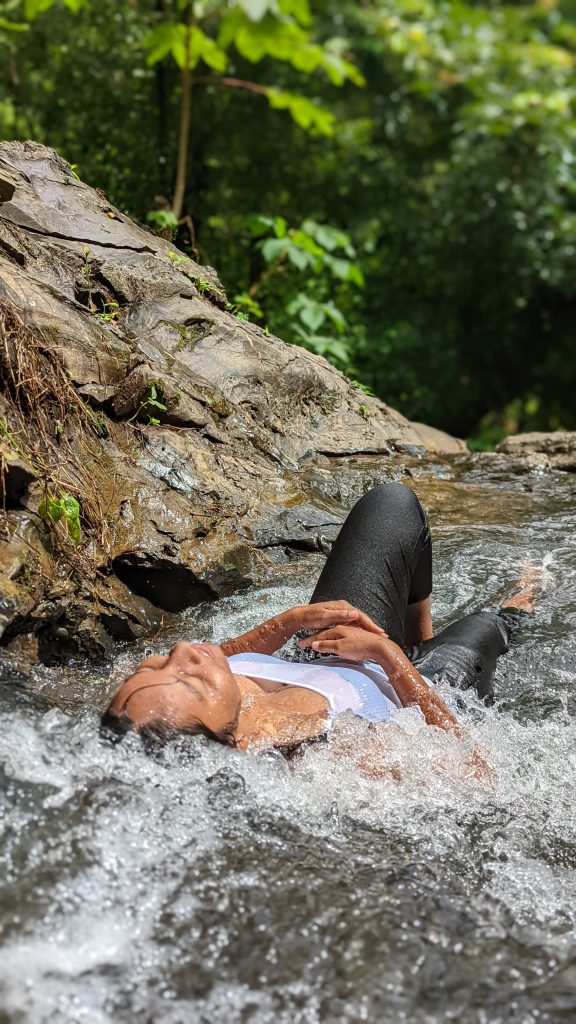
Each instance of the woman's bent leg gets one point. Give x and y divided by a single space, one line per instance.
465 654
381 560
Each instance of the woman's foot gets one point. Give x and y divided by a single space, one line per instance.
527 588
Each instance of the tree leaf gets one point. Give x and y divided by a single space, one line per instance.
312 315
162 40
256 9
32 8
306 113
202 47
273 248
50 508
299 9
299 257
69 506
13 26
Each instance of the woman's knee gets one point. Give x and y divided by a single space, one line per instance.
393 498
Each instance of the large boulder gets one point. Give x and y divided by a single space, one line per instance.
186 435
555 449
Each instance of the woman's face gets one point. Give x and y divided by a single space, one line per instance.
192 685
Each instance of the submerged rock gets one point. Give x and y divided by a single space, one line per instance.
189 438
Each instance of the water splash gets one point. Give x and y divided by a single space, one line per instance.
204 885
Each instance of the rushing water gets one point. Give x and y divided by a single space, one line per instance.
202 885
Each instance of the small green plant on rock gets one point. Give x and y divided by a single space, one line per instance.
24 575
66 507
328 402
150 403
109 313
176 258
202 284
244 307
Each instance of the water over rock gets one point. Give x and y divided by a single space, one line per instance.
190 438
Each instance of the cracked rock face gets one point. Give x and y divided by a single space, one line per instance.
208 429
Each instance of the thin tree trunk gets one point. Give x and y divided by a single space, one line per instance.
161 114
184 133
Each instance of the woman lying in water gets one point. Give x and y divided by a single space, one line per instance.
369 637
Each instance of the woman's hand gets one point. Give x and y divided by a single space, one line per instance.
351 642
325 614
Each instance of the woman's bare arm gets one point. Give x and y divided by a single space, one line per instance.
271 635
412 689
266 638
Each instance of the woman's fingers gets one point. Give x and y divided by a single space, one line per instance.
325 617
325 634
326 646
334 613
346 614
365 622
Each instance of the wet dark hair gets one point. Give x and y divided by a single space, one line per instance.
113 729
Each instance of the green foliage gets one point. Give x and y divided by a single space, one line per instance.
66 507
419 231
177 258
188 45
109 313
162 219
257 30
309 264
149 405
32 8
245 307
307 114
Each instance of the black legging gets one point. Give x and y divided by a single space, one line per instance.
382 561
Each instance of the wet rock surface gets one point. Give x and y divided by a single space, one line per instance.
556 450
201 450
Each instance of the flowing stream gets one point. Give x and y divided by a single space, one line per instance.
203 886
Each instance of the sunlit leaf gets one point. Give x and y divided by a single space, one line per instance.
163 218
299 9
13 26
186 45
74 529
298 257
283 40
256 9
32 8
312 316
308 115
50 508
162 41
273 248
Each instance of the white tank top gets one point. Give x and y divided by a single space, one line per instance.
360 687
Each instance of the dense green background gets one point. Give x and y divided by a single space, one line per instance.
450 172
